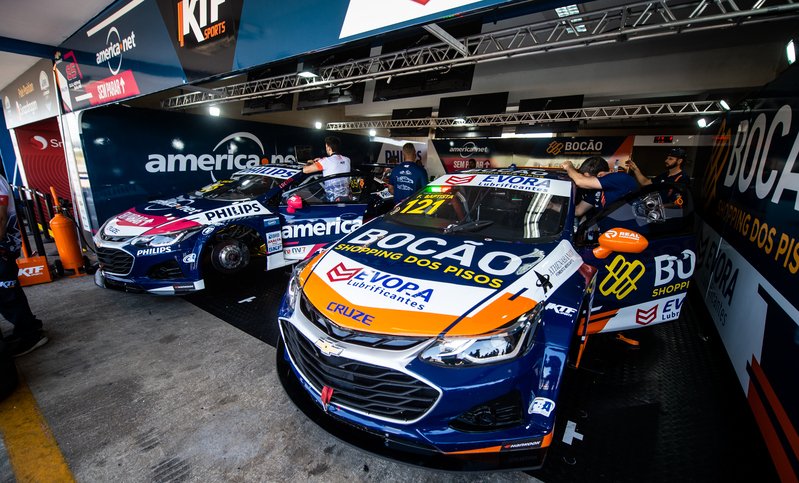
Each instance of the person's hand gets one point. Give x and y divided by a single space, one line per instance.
631 165
566 165
602 174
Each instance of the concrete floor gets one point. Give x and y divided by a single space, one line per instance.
143 388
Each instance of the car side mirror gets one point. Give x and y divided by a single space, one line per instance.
620 240
294 203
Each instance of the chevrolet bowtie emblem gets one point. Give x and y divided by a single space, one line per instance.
327 348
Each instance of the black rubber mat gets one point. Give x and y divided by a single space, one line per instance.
670 411
249 300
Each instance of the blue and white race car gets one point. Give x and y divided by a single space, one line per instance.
438 334
166 245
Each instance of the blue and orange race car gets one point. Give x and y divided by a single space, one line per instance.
438 334
166 245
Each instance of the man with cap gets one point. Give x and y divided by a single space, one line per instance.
673 174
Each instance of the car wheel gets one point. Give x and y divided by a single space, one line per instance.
230 256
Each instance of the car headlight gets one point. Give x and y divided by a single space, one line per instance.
509 344
164 239
294 287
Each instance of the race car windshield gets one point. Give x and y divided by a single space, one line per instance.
243 188
484 212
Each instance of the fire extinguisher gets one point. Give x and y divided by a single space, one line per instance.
66 239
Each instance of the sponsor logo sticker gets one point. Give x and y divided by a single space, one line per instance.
31 271
190 258
456 180
621 277
340 273
354 314
646 316
153 251
542 406
560 309
274 242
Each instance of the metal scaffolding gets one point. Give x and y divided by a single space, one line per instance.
618 24
671 109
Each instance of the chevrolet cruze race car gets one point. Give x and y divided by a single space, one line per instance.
165 245
438 334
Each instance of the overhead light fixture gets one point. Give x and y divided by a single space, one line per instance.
213 110
318 125
566 11
580 28
702 122
791 51
372 132
724 105
306 73
459 121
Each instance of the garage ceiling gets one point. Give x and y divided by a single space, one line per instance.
686 65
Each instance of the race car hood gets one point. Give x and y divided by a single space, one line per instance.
182 212
388 279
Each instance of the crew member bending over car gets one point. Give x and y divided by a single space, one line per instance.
336 189
604 189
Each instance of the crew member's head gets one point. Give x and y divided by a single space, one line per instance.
676 158
409 152
593 166
472 163
333 143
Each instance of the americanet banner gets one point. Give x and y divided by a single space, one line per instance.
138 47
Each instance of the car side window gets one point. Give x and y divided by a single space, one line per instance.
330 190
656 211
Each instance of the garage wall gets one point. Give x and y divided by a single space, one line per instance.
748 256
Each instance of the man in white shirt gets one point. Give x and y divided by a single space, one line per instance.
336 189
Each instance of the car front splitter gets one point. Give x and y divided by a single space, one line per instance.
398 449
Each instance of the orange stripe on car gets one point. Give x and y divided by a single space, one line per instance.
775 448
499 313
776 406
490 449
599 321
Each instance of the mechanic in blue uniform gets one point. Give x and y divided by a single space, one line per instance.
27 334
408 177
674 173
603 190
336 189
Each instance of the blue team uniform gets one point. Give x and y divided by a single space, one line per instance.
407 178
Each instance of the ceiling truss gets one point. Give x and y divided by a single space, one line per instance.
673 109
623 23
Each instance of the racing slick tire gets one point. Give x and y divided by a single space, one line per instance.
230 256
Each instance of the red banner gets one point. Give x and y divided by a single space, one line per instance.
112 89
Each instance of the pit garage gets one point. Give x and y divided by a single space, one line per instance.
189 361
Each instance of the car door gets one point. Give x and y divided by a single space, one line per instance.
321 211
643 247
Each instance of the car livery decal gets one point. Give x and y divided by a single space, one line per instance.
272 172
518 181
422 285
237 210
